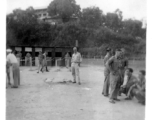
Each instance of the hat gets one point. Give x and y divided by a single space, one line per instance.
9 50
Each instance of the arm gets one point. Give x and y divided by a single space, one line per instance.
125 81
105 60
126 64
80 58
109 63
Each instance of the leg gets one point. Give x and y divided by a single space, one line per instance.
140 96
46 69
113 91
105 91
77 73
73 73
8 76
15 76
38 67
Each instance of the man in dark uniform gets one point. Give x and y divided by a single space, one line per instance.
123 65
113 64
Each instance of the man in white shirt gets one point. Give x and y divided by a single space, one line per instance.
12 60
76 59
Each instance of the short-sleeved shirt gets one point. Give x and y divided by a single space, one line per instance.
67 56
131 80
11 58
106 58
76 58
44 56
113 64
40 57
123 62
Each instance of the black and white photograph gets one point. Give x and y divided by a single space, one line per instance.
76 59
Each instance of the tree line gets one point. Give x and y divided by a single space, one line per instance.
94 30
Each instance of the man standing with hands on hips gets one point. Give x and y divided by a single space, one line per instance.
76 59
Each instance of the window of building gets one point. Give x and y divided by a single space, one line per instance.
39 15
44 14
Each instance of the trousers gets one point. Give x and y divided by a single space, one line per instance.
75 72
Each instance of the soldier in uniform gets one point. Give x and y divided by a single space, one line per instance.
123 66
105 91
129 80
45 62
113 64
76 59
138 89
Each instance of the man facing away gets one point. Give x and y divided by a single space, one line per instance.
113 64
138 89
129 80
76 58
105 91
12 60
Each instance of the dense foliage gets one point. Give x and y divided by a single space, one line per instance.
94 30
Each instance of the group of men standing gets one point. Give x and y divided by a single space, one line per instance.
119 78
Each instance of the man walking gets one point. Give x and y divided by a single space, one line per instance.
12 60
44 62
113 64
76 57
105 91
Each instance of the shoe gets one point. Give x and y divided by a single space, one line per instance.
112 101
37 72
106 95
47 71
14 87
79 83
116 99
74 82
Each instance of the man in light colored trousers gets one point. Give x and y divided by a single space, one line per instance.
12 60
76 59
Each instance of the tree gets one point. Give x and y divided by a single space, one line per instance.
133 27
64 9
91 17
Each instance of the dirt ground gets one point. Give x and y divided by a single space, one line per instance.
52 96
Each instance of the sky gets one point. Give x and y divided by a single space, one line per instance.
135 9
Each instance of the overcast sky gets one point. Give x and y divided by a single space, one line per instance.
130 8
